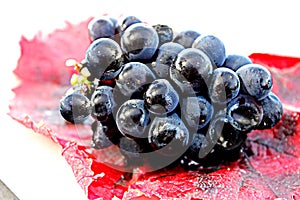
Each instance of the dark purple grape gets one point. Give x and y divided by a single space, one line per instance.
230 138
256 80
216 147
101 27
235 61
134 77
117 29
214 132
169 135
192 69
164 32
104 58
161 97
184 86
272 111
227 140
114 21
224 142
220 137
128 21
139 42
75 108
197 112
166 56
186 38
244 113
213 47
100 139
103 103
224 86
132 149
132 118
199 142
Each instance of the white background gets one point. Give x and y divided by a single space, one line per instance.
31 165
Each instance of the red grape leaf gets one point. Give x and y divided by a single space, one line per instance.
271 171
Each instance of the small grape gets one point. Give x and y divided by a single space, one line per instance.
199 142
166 56
100 140
197 111
222 140
132 118
75 108
244 113
213 47
194 68
101 27
133 150
161 97
169 134
104 58
256 80
186 38
230 138
224 86
234 61
139 42
164 32
103 103
128 21
134 78
272 111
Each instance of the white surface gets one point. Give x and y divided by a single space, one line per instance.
31 165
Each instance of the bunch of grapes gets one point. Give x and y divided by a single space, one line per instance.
162 96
